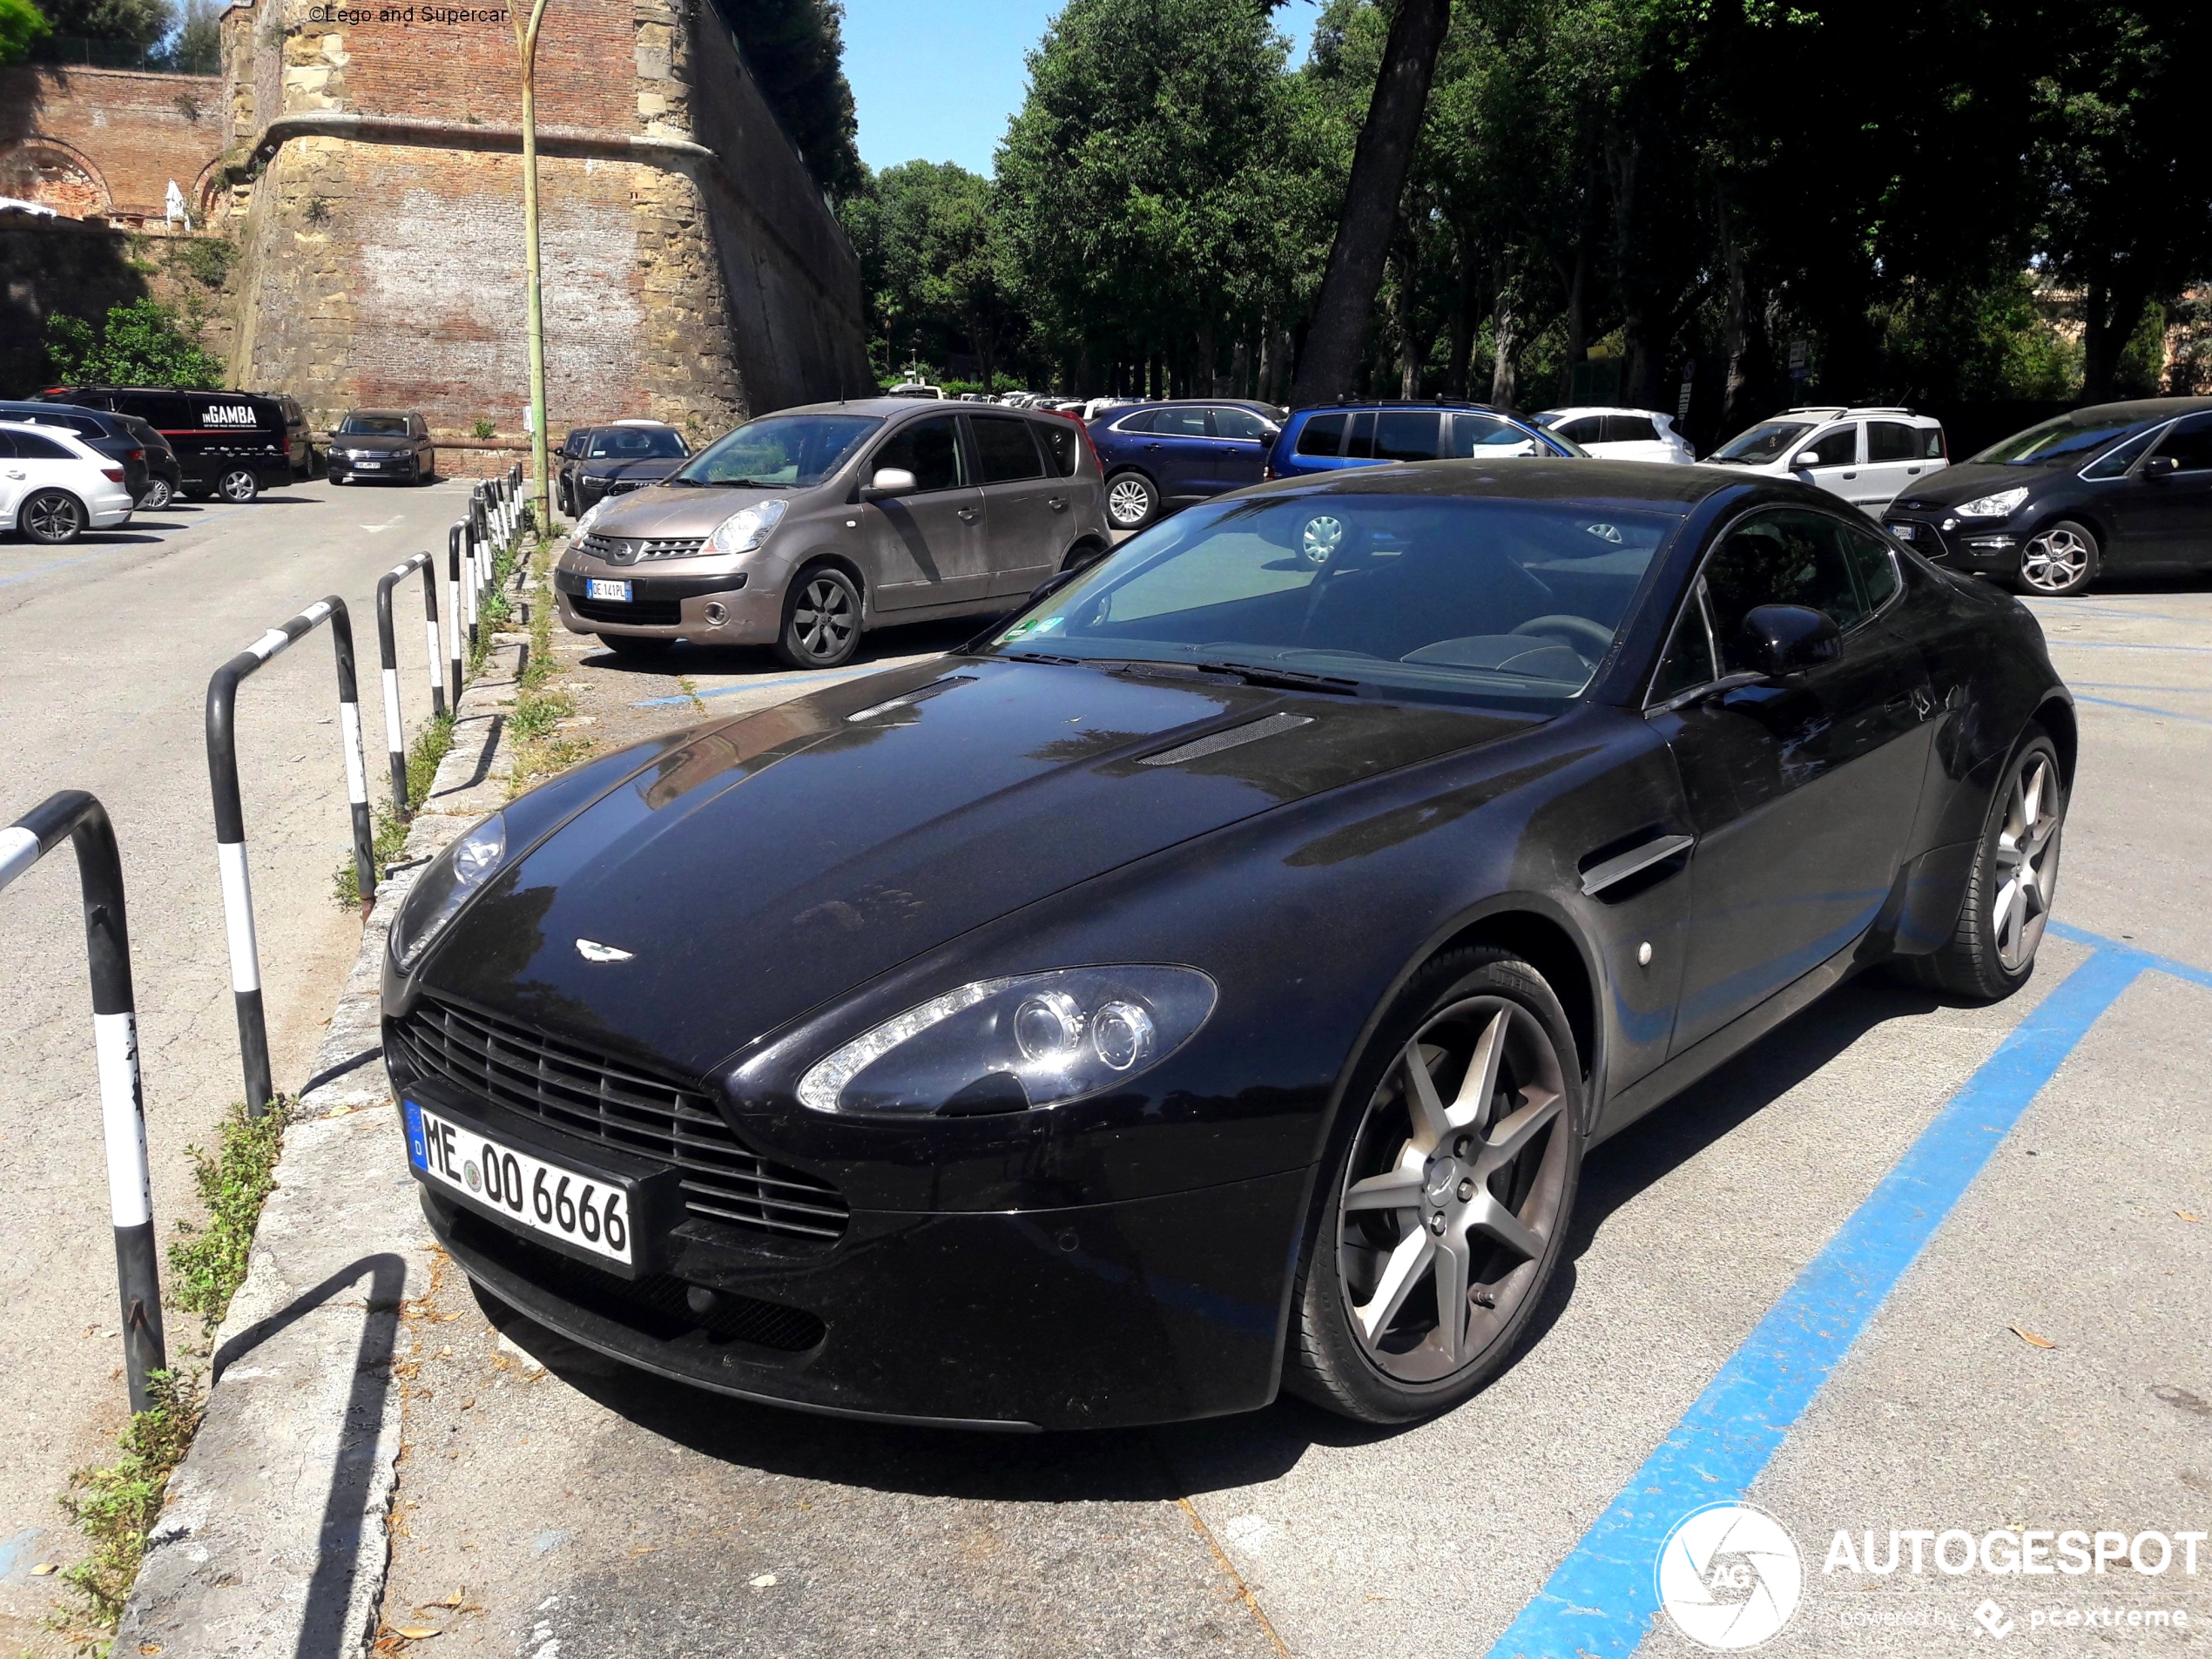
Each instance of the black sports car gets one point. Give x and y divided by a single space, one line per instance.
1211 980
2118 487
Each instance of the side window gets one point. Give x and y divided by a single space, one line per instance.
2114 463
929 450
1932 444
1486 435
1141 421
1687 661
30 447
7 446
1835 449
1060 439
1588 428
1406 434
1322 434
2190 443
1892 441
1182 423
1240 424
1872 562
1360 437
1004 451
1629 429
1786 557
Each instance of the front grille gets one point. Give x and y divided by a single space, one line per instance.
654 1307
638 550
571 1089
641 613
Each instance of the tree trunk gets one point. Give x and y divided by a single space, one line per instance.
1271 360
1505 336
2110 313
1378 163
1575 277
1402 325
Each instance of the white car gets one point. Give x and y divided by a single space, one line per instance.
1869 456
1619 434
54 486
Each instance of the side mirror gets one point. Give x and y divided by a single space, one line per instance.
1789 639
1269 432
2161 466
1805 458
888 480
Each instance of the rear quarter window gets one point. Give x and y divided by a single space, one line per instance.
1058 438
1323 435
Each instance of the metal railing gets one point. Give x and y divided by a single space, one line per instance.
388 661
74 816
230 819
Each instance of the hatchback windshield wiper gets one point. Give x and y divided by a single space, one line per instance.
1290 679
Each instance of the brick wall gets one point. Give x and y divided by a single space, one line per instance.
107 140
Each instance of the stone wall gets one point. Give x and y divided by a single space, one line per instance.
108 141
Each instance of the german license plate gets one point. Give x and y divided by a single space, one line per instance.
598 588
590 1213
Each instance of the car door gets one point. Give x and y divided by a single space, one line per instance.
1178 453
15 478
1025 506
1632 437
1802 791
1835 462
927 545
2176 514
1241 439
1896 460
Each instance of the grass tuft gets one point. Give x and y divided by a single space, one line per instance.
208 1264
431 745
116 1507
541 706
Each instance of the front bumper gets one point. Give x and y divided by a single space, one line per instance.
1156 1309
400 464
672 607
1979 546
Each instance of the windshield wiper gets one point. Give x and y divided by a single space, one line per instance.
1290 679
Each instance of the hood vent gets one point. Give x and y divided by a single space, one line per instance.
1214 742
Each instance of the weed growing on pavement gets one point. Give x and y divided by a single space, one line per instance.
540 705
207 1265
116 1507
431 745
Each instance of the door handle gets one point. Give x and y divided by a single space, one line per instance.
1058 503
1850 475
1915 471
967 514
15 474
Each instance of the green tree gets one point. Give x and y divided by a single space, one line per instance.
138 344
127 23
22 26
933 264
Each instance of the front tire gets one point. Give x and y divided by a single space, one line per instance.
821 619
50 517
1992 950
1444 1206
1132 502
2059 560
239 486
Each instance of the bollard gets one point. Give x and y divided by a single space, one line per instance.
388 659
230 819
78 816
453 594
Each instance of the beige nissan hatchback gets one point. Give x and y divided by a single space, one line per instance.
805 527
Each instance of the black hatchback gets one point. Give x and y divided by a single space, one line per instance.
2120 487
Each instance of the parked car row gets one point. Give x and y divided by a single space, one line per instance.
229 445
54 485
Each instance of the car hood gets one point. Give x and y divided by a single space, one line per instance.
679 510
774 862
1965 481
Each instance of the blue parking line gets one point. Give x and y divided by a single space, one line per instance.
2143 708
2150 958
2121 645
1600 1600
2110 685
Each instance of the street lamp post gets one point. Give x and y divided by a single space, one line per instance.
526 46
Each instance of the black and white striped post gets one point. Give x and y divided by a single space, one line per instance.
388 659
77 816
457 645
230 818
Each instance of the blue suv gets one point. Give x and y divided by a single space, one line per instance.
1160 456
1332 436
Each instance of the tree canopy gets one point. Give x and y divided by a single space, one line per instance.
137 344
795 50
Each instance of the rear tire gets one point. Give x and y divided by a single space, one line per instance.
239 486
2015 875
51 517
1444 1203
158 496
1082 556
1132 501
2059 560
821 619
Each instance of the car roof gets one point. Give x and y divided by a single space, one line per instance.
2141 408
1573 410
884 408
1625 483
1407 403
37 430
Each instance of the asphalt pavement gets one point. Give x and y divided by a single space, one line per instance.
1908 1265
106 649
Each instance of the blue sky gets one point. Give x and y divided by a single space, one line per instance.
935 80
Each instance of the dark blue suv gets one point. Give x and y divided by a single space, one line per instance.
1160 456
1332 436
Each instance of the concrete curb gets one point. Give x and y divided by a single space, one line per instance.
274 1541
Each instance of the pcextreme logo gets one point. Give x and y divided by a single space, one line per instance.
1730 1576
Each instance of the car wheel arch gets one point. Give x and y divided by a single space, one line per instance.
2055 716
815 558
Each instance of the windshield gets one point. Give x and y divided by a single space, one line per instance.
375 426
1769 441
2052 443
794 450
1414 595
635 443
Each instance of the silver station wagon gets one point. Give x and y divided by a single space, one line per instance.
805 527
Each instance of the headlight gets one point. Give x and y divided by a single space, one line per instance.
444 887
747 528
1996 506
590 516
1010 1045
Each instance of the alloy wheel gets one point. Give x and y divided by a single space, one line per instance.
158 496
2027 862
237 485
52 516
2056 560
1448 1210
1128 503
823 620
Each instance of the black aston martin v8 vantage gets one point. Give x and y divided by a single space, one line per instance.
1211 980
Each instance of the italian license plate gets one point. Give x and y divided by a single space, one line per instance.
591 1213
598 588
368 466
1903 532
